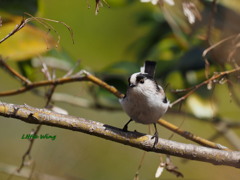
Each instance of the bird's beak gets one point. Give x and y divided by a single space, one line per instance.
131 85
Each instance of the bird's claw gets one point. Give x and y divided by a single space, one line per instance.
156 139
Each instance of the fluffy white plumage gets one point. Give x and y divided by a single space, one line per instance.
145 101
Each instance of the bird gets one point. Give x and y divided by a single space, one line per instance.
145 101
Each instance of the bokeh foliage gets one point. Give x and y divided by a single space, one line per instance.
115 43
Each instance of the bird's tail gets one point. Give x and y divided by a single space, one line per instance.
149 68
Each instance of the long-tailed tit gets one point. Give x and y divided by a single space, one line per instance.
145 101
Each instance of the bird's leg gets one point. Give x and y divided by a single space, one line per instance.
155 135
125 128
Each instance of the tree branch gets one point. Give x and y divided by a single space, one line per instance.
86 76
40 20
210 80
12 72
191 136
81 76
138 140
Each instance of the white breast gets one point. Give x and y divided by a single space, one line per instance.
144 106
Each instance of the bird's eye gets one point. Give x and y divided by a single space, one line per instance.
141 81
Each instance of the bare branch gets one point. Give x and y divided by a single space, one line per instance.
229 134
81 76
12 72
206 51
138 140
85 76
192 137
27 153
49 94
213 78
41 21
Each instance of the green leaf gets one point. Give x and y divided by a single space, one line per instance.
26 69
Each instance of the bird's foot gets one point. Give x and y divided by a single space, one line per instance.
156 139
125 128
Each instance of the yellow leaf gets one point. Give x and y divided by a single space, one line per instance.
24 44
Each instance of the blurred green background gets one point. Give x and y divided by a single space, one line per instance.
112 44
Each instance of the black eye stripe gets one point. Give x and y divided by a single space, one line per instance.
139 78
142 76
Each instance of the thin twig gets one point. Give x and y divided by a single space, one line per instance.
40 20
70 71
27 153
82 76
214 77
17 28
190 136
44 83
49 94
12 72
206 51
136 176
229 134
